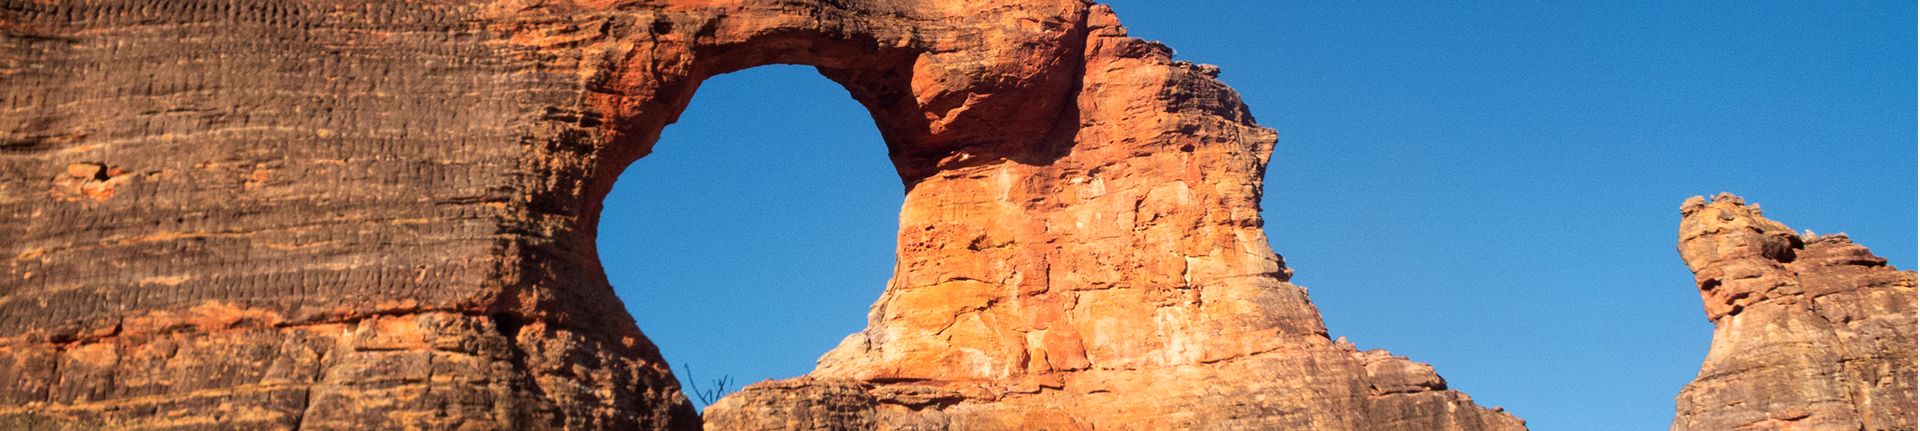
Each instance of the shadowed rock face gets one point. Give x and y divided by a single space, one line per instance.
1811 332
372 215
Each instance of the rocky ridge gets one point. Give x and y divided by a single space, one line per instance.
372 214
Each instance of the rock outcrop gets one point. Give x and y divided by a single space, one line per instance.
1811 332
380 214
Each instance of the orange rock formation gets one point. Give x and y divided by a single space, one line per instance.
1811 332
380 215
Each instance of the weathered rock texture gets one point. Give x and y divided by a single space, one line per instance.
380 214
1811 332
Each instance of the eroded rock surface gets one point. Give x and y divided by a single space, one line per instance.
380 214
1811 332
1138 292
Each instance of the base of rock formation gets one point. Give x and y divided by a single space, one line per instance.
1316 385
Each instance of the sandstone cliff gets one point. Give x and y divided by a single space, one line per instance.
372 214
1811 332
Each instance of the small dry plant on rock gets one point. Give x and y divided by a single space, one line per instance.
721 387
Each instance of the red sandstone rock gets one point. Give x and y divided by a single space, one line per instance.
380 215
1811 332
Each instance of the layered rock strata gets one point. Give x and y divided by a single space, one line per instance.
1811 332
380 215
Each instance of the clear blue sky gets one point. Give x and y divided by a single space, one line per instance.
1492 188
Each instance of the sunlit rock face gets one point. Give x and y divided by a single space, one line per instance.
1811 332
380 215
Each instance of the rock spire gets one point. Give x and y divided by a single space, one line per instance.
1811 332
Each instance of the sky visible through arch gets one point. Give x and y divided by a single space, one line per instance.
1492 188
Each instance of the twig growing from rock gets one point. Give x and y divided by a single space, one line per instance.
721 387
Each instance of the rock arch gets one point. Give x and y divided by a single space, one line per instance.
375 214
758 231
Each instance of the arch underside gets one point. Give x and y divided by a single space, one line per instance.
330 216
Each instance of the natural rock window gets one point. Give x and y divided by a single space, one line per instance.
382 215
759 230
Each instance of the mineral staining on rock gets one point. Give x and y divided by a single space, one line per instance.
1811 332
373 214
